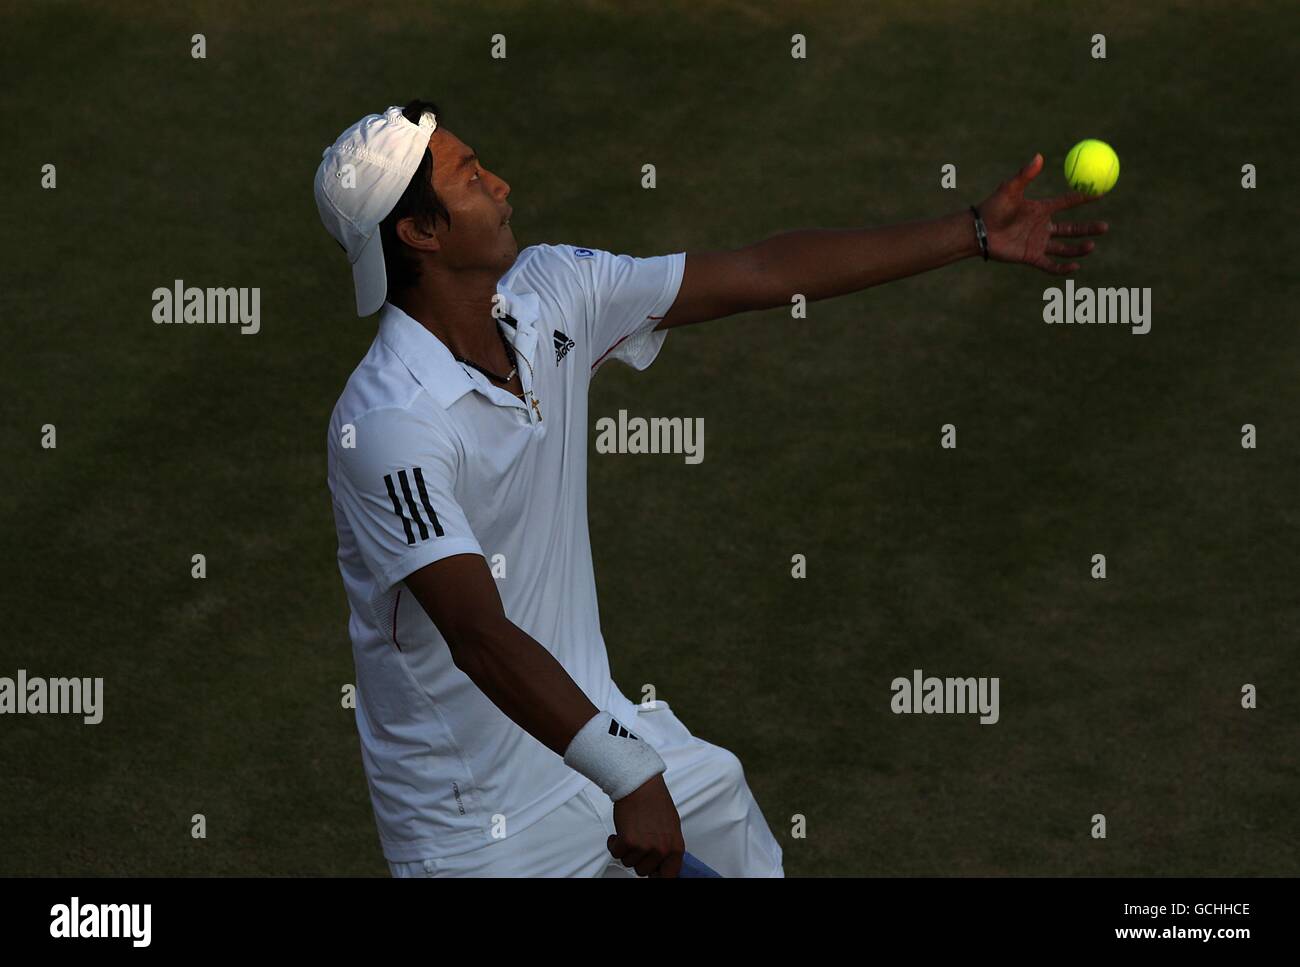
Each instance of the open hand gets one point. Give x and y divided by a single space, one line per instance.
1022 229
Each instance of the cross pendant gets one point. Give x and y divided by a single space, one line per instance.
536 409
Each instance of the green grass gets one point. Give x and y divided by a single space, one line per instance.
1119 697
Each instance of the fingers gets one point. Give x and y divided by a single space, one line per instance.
1069 251
672 866
642 861
1055 268
630 856
646 862
1076 229
1071 199
1029 172
651 862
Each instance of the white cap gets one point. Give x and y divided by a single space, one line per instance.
360 179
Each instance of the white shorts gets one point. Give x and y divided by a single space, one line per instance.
721 823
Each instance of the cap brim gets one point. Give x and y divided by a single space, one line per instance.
369 278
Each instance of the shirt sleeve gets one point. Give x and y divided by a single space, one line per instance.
626 297
397 490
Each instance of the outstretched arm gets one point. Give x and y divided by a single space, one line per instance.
822 263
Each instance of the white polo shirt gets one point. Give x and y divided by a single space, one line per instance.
444 462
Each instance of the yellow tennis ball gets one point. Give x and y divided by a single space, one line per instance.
1092 167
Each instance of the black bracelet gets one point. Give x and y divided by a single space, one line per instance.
981 232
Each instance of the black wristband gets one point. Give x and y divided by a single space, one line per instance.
981 232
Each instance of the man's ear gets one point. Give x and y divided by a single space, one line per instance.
410 233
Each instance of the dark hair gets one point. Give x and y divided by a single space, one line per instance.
418 201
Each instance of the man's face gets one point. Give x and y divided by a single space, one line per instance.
480 235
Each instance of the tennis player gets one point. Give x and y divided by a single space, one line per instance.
494 740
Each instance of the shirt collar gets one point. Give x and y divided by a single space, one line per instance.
431 362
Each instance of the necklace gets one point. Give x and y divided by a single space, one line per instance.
533 379
510 355
514 366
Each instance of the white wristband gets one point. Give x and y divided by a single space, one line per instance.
612 757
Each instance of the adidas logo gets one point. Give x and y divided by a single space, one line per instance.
562 346
617 730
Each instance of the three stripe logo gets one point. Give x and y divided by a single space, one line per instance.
406 507
562 346
617 730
